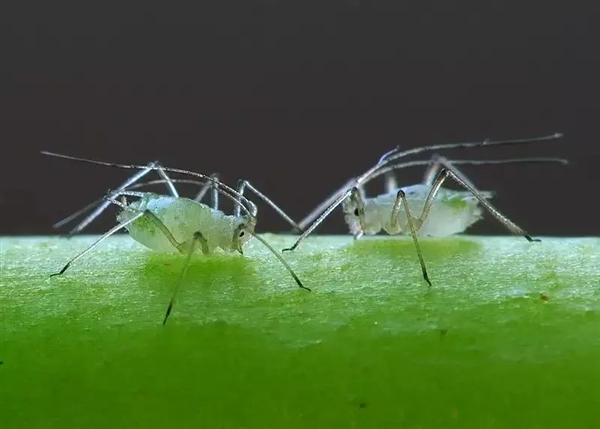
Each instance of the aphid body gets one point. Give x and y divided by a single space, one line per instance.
171 223
451 212
183 217
424 209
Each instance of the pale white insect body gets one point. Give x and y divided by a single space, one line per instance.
424 209
451 212
171 223
183 217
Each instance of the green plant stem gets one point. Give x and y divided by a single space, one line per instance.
508 336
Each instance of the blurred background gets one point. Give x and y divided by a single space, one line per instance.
297 98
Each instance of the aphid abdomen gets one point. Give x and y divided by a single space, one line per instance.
450 217
451 212
181 216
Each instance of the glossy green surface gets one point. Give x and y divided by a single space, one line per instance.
507 337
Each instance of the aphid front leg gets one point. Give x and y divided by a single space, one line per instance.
198 238
459 178
413 226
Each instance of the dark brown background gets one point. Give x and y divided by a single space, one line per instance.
297 97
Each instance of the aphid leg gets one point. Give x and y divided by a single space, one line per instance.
106 235
319 214
102 207
163 174
413 226
198 238
133 179
208 185
437 162
458 178
111 198
181 247
309 218
278 256
223 188
241 187
214 194
338 198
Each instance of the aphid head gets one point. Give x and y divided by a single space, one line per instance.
242 233
351 215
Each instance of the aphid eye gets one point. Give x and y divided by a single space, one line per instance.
356 212
241 234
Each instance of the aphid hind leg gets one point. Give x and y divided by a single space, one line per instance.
152 166
451 172
97 242
413 226
181 247
184 247
103 206
436 163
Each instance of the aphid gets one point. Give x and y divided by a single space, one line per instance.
424 209
171 223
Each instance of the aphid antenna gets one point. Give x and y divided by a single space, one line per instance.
417 163
109 198
149 167
102 205
394 154
251 209
77 214
137 185
102 200
474 162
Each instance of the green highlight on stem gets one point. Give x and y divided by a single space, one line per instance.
508 336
